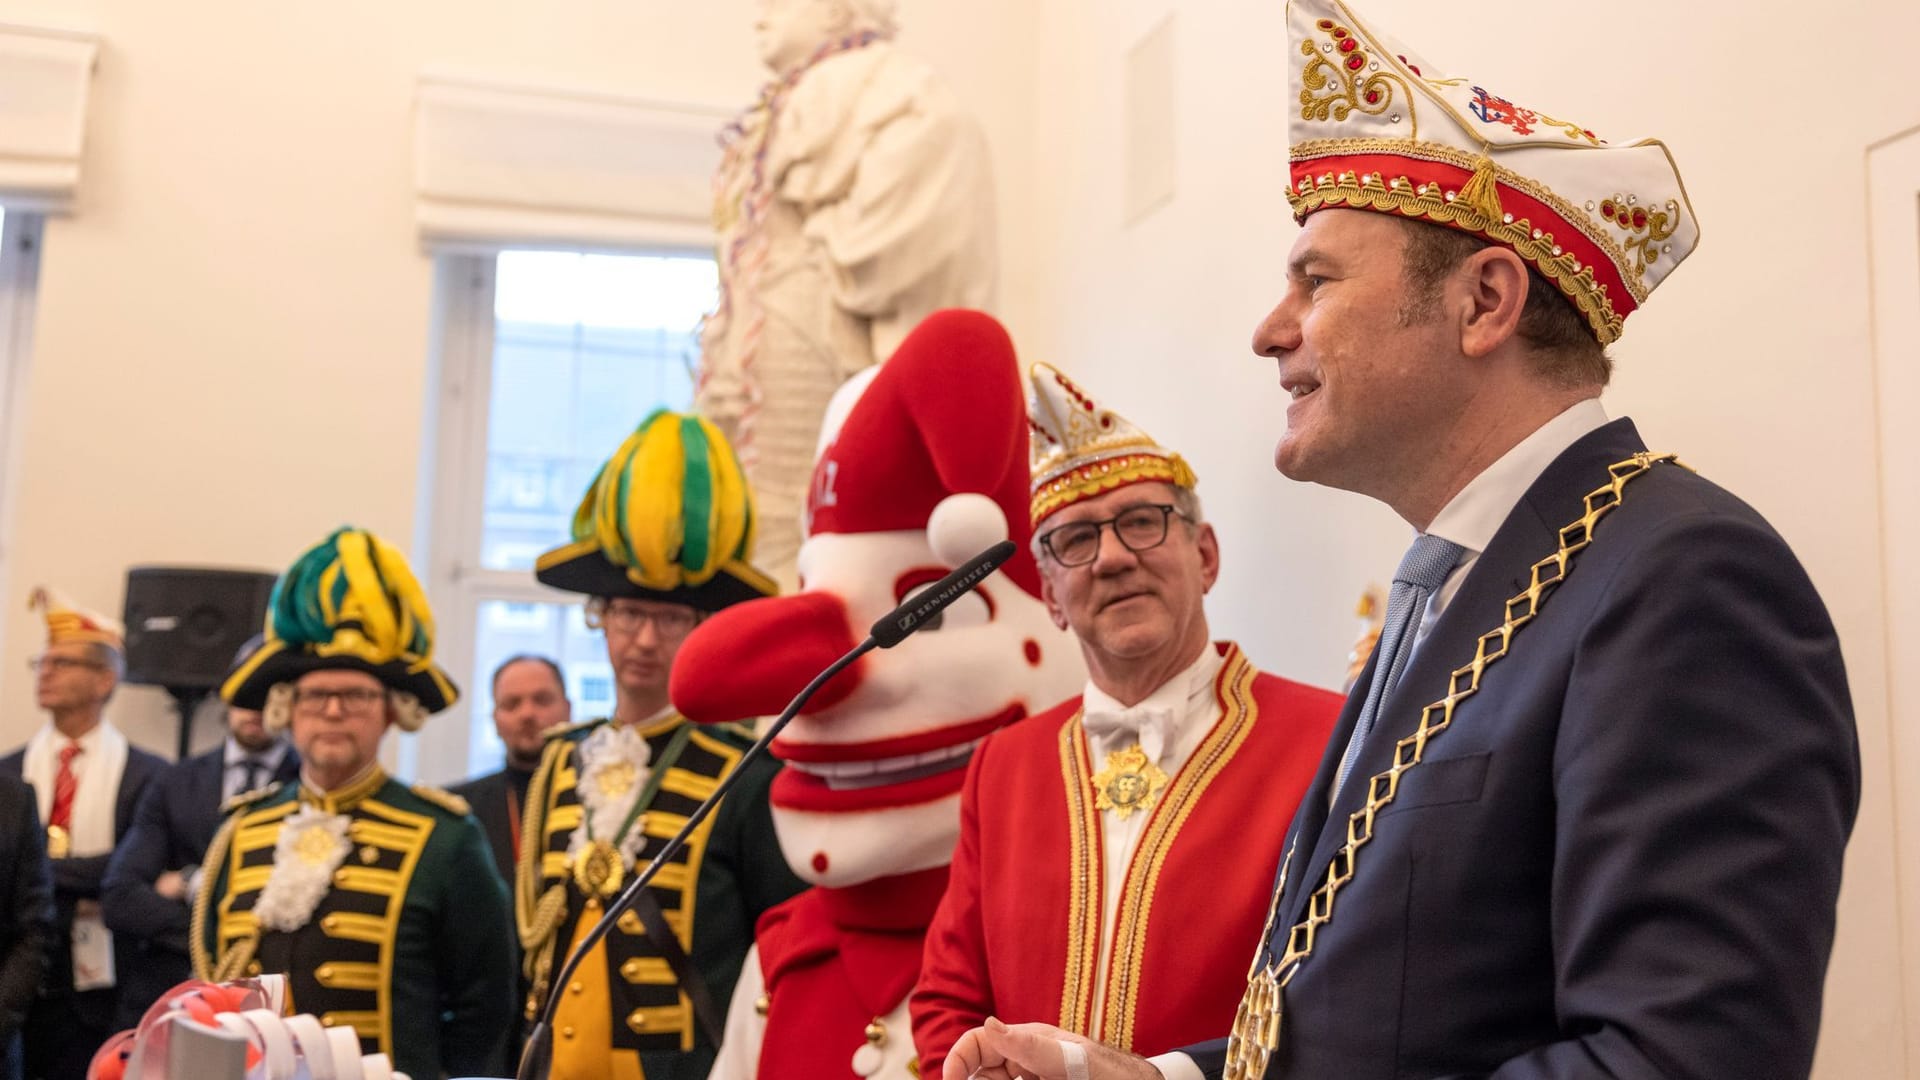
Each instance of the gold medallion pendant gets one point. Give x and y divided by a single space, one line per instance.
1129 782
314 845
616 779
59 842
599 870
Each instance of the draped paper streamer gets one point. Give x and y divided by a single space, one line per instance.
741 217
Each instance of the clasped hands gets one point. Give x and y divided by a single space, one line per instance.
1000 1051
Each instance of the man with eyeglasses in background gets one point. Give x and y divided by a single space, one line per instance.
378 900
88 781
529 701
1091 833
662 538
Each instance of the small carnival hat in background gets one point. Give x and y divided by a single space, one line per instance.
1081 449
68 622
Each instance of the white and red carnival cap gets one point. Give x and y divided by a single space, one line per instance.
1379 128
1081 448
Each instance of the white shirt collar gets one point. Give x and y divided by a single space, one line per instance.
89 743
1177 694
1471 517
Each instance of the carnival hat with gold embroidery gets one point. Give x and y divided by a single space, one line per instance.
68 622
1080 450
1378 128
669 517
351 601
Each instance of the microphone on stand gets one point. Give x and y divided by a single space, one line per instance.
536 1061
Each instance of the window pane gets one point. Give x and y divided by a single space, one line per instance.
585 346
558 631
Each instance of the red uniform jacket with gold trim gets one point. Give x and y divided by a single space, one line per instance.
1018 933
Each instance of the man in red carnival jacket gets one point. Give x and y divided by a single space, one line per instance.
1087 890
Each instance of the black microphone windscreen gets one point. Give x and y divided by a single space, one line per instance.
895 625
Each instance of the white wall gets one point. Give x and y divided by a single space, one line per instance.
230 353
233 326
1894 217
1752 362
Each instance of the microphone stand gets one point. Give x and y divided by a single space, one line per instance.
536 1059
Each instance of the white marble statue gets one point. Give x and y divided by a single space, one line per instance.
854 199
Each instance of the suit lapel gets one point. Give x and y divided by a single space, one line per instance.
208 773
1529 534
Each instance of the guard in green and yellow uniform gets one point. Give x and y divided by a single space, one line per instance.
380 902
661 539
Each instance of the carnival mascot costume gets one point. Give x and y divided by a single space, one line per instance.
923 465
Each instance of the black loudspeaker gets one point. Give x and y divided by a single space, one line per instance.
184 624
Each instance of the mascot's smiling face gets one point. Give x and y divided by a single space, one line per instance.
872 783
922 466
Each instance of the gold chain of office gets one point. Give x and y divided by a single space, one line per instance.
1256 1026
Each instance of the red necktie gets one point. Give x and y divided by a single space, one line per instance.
64 785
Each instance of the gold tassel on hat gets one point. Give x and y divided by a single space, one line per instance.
1482 191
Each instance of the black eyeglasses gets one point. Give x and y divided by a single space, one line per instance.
354 701
671 622
36 664
1138 528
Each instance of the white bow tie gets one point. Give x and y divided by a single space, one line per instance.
1151 725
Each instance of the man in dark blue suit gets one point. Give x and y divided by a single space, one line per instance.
529 700
87 781
1585 811
147 893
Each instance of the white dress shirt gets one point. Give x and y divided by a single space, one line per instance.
1471 517
1189 699
233 778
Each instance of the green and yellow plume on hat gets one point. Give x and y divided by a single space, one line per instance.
350 601
669 517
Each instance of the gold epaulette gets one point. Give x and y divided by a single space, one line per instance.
565 730
247 797
444 799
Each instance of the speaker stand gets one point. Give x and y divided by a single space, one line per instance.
187 700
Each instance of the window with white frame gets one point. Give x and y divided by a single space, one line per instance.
19 276
548 360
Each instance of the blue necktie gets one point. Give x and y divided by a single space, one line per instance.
1423 570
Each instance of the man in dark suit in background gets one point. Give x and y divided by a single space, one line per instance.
529 700
1585 812
147 893
26 919
87 782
